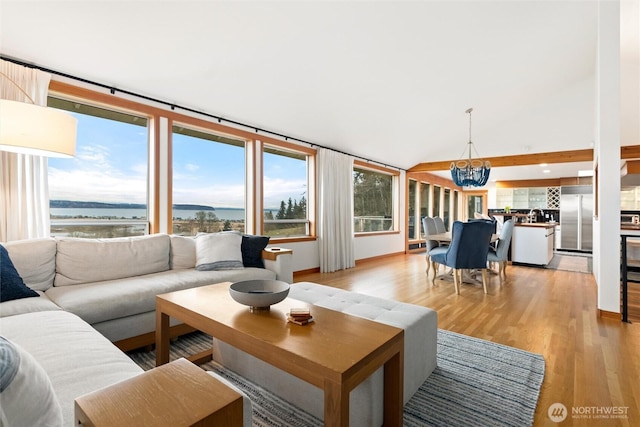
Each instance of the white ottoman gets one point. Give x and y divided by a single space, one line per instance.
420 326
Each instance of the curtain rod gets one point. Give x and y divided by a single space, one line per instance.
173 106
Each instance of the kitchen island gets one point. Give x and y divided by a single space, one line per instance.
532 243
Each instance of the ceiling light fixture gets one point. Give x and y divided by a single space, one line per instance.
33 129
471 172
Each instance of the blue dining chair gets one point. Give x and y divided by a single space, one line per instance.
429 226
468 250
500 253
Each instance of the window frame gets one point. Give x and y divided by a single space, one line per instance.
72 95
395 197
160 158
198 128
310 221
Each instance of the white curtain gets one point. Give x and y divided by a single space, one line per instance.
335 211
24 188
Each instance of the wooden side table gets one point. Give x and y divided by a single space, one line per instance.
176 394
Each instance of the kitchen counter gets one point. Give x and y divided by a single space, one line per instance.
630 230
536 224
630 226
533 243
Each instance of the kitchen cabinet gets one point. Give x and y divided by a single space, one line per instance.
538 197
528 198
520 198
504 197
532 243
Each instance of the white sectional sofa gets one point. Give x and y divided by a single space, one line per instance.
420 326
112 283
92 292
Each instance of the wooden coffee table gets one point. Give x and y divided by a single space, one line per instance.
335 353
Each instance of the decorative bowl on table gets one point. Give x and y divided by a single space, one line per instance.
259 294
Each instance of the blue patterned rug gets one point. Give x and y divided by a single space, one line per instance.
477 383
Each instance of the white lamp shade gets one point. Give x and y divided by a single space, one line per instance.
33 129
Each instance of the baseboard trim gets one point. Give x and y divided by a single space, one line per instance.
379 257
604 314
307 271
358 262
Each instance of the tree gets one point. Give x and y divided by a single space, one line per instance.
282 212
289 213
227 226
300 210
211 217
201 217
372 194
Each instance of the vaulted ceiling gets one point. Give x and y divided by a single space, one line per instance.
389 81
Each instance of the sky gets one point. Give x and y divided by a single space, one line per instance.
111 166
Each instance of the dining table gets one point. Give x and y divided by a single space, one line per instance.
446 237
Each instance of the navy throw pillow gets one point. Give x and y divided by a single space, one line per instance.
11 284
252 247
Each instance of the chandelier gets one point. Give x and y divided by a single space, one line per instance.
470 172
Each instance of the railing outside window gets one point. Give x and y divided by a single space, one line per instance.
98 228
286 227
366 224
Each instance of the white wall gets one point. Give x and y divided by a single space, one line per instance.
606 254
306 255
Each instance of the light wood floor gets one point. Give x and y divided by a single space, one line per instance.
590 361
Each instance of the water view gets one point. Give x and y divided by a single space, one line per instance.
102 213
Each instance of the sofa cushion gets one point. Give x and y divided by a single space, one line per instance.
183 252
35 260
252 247
103 301
76 358
11 285
93 260
27 305
219 251
26 394
420 325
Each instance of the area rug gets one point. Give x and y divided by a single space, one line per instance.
476 382
578 263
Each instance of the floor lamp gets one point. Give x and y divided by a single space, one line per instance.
28 128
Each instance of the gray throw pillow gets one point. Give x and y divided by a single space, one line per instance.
219 251
26 394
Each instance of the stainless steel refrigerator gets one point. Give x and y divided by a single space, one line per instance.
576 218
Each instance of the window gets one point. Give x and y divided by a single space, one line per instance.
436 201
447 207
372 201
455 205
285 192
208 182
412 203
425 190
102 191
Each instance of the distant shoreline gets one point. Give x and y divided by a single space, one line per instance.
71 204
